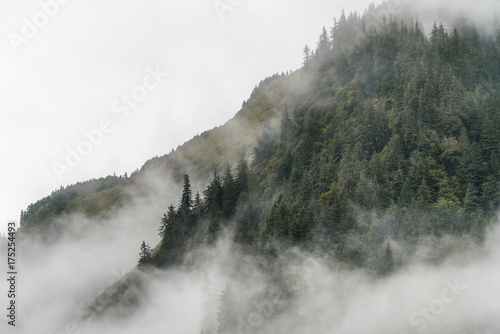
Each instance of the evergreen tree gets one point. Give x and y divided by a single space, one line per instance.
427 104
213 196
286 135
145 254
424 196
213 203
197 206
162 229
307 55
173 238
471 200
229 194
186 203
323 48
301 224
247 222
242 177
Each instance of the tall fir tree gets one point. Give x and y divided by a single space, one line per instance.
145 254
229 194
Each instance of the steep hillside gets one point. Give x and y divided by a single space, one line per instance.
383 134
380 154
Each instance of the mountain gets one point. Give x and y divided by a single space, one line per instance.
390 120
384 137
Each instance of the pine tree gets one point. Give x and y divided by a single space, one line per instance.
323 49
301 224
162 229
286 135
173 238
213 203
427 104
213 196
145 254
307 55
471 200
198 205
247 221
242 177
167 222
323 43
424 196
229 194
186 203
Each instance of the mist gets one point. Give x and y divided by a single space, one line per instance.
66 283
58 279
81 276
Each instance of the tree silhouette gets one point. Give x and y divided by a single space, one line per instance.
145 254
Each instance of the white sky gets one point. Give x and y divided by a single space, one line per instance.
66 76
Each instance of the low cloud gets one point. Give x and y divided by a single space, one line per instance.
305 293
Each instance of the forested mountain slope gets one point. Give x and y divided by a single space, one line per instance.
378 160
383 135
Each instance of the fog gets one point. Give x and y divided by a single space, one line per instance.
482 13
61 277
57 282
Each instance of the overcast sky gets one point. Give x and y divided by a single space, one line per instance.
102 65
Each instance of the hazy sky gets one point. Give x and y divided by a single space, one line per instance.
88 64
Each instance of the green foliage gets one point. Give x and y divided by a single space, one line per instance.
399 124
172 233
229 199
71 198
179 227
